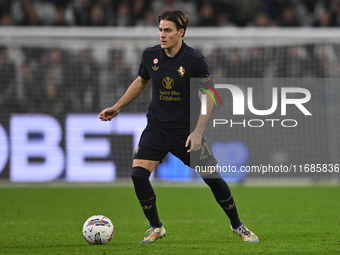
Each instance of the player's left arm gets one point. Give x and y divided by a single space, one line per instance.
196 136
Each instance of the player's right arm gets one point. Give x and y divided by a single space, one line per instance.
134 90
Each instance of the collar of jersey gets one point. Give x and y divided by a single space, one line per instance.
179 54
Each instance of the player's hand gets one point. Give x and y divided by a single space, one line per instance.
195 140
108 114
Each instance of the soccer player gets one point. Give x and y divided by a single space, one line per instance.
170 66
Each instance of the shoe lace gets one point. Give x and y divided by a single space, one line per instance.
245 231
149 231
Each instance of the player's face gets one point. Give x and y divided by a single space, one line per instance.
169 35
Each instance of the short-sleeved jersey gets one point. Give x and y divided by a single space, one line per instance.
169 110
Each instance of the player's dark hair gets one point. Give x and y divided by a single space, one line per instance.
180 19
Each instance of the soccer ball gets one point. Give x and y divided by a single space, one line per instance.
98 229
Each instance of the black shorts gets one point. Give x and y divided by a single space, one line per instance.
154 145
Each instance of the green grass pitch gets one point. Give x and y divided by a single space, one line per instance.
42 219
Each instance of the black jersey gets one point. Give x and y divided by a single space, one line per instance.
169 110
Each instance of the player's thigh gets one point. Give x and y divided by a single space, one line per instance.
151 150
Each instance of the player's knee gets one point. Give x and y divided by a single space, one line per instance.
211 178
139 172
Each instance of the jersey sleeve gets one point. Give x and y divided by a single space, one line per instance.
203 72
143 70
202 68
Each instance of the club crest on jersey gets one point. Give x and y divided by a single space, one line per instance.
168 83
155 61
181 71
155 68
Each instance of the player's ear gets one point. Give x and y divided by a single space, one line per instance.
181 32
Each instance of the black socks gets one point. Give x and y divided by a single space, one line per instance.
147 198
145 194
223 196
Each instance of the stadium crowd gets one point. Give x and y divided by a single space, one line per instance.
240 13
58 81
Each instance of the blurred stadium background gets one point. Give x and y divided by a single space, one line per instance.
62 62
